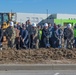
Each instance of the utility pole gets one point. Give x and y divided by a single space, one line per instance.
11 14
47 15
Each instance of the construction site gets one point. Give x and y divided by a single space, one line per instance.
34 56
40 56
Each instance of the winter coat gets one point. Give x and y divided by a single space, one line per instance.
68 33
74 32
45 37
40 34
1 34
24 34
34 33
50 30
9 32
45 33
29 29
59 33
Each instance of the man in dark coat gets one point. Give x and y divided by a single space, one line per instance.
24 37
1 35
45 36
69 36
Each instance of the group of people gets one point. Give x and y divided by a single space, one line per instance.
24 36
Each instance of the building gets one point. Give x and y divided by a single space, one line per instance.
34 18
62 19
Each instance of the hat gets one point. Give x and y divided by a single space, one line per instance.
69 26
45 24
11 24
34 25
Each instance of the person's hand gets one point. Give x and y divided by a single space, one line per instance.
22 40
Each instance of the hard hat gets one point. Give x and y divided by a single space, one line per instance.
69 26
34 25
11 23
45 24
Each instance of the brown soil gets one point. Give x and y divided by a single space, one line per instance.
40 56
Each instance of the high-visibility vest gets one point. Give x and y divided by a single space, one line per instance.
74 32
40 34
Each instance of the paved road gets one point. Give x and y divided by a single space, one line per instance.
39 72
37 67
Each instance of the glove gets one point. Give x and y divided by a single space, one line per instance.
22 40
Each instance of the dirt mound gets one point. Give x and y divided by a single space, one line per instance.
42 55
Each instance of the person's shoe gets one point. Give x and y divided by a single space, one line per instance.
47 45
24 46
59 46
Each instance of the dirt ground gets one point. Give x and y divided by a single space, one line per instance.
40 56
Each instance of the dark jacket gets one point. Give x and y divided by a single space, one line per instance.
1 34
45 33
29 29
24 34
68 33
9 32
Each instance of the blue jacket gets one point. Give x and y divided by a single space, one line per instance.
24 34
1 34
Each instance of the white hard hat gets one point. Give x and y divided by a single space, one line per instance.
69 25
34 25
45 24
11 23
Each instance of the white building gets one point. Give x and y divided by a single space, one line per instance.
66 16
63 19
42 18
34 18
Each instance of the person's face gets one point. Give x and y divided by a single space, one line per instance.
49 25
46 27
28 22
39 27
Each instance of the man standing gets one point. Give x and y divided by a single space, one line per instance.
1 35
35 39
17 39
40 36
59 36
45 36
69 35
29 29
24 37
10 35
74 36
50 30
53 38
